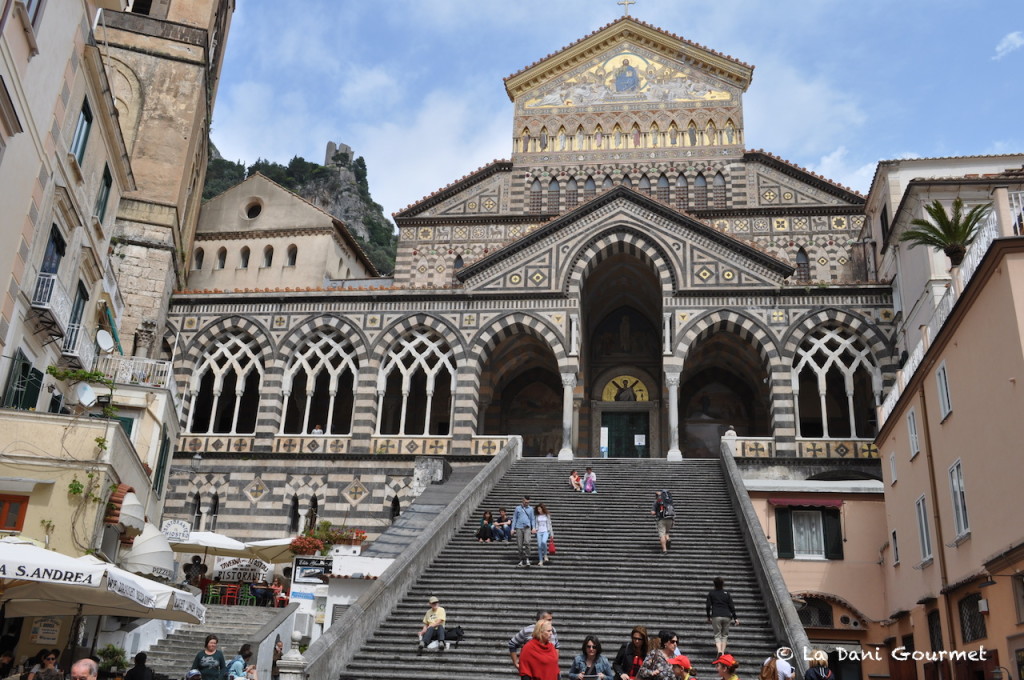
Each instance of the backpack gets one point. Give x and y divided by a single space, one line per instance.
668 509
455 635
588 485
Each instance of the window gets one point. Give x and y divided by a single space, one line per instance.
935 630
1018 596
809 533
222 258
319 385
803 266
293 516
418 376
197 259
268 256
9 123
915 446
211 518
55 249
243 258
956 490
972 623
197 512
553 195
816 613
536 197
292 257
892 468
82 128
161 462
922 530
895 549
700 191
23 384
101 200
883 219
225 386
12 512
941 377
312 514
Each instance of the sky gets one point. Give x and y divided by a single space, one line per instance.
416 86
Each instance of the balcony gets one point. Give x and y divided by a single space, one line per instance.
78 348
51 304
136 371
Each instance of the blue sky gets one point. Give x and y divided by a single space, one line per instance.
415 86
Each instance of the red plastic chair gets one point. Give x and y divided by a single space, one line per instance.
282 601
229 595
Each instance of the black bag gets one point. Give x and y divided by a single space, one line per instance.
668 510
455 635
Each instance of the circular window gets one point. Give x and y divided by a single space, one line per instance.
253 209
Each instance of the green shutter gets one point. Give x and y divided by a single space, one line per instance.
833 534
33 384
161 463
126 424
784 532
15 388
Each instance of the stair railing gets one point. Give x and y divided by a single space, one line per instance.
328 656
781 612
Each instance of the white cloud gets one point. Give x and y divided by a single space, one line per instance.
839 167
374 86
1009 43
794 114
448 136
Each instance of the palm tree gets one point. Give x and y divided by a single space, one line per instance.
951 232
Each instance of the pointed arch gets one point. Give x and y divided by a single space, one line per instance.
581 138
572 193
599 138
731 134
655 135
662 189
417 369
536 196
197 258
226 384
803 266
608 183
626 181
682 192
692 137
673 134
525 139
644 186
718 190
711 133
700 191
243 258
622 240
319 383
554 193
222 258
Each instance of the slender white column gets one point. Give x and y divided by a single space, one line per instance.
568 383
672 381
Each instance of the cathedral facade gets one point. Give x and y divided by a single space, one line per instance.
632 283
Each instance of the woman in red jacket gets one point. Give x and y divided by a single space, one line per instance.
538 659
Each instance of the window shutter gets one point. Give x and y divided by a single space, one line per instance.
833 534
784 532
32 386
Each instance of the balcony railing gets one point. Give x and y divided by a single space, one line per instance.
113 290
50 298
135 370
988 233
78 347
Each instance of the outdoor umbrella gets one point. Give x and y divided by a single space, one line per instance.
150 555
210 543
273 550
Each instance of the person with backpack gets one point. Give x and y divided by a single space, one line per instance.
818 667
665 512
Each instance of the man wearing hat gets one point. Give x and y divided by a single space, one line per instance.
433 625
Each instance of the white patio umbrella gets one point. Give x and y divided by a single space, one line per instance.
273 550
150 554
211 543
23 562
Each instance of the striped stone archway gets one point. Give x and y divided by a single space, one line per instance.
622 240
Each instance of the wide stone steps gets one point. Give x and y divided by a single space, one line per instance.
607 576
233 625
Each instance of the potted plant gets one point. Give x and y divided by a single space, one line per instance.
306 545
951 232
113 660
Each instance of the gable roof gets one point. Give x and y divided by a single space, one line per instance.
803 174
647 35
455 187
338 225
621 192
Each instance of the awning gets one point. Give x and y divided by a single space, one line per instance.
805 502
125 509
113 329
151 554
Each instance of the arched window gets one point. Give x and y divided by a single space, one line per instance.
718 190
268 256
607 183
645 185
293 516
662 191
197 259
415 386
682 189
313 513
536 196
803 266
293 255
197 512
837 385
225 386
816 613
222 258
211 519
700 191
572 193
243 258
459 263
589 189
553 193
319 385
626 181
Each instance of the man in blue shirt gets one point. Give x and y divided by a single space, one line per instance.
523 527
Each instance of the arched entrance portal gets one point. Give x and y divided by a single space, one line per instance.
521 393
724 384
621 360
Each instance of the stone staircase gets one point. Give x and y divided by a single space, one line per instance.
233 625
607 576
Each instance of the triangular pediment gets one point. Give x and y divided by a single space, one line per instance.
669 66
483 192
693 254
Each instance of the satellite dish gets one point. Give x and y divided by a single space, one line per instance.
85 394
105 341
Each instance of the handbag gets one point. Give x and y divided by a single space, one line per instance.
551 545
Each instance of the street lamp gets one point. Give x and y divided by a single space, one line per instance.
1000 673
194 466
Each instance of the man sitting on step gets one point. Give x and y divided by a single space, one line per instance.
433 625
526 634
524 525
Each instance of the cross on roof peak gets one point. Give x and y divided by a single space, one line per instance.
626 4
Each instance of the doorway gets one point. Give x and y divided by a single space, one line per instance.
628 433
